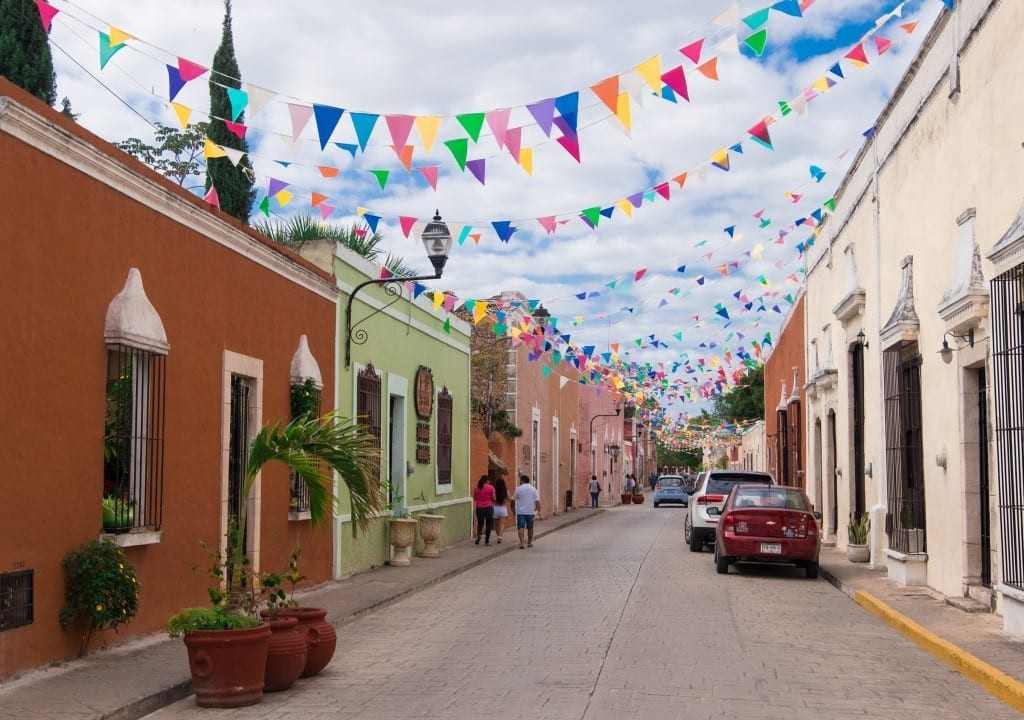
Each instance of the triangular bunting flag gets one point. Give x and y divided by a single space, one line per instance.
650 71
624 112
459 148
300 115
497 121
857 56
757 42
212 150
46 13
239 99
479 169
174 81
236 128
235 156
760 134
427 126
721 160
757 19
327 118
789 7
882 44
363 124
211 197
258 98
526 160
183 112
543 113
593 215
709 69
316 199
107 49
382 177
405 155
607 91
189 70
676 79
692 51
406 224
571 145
399 126
430 173
472 124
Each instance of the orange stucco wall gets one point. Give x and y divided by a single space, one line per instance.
69 241
787 354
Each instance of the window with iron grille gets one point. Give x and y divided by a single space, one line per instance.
904 523
781 447
133 449
16 599
306 400
795 468
1007 298
444 437
368 407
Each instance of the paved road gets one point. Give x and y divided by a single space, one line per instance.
615 618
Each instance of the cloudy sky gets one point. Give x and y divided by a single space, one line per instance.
457 57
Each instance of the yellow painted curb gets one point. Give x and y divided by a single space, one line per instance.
998 683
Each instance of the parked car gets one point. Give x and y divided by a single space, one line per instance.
712 488
768 523
671 489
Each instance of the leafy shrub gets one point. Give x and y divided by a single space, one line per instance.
211 618
101 589
857 530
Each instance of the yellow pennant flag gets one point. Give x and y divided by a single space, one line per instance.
118 36
526 160
821 84
427 126
438 299
284 197
212 150
360 211
183 112
650 71
479 311
623 112
625 206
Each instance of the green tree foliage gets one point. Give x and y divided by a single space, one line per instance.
234 183
25 56
745 401
177 153
687 457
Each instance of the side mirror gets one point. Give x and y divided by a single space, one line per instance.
817 515
713 510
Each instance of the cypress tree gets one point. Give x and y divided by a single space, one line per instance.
234 184
25 57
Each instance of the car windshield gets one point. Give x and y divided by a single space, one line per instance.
774 496
670 481
722 484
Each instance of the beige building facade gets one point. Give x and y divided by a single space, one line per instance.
925 252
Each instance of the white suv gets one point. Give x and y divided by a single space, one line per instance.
712 489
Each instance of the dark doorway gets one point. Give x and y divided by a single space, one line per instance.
857 363
983 481
833 475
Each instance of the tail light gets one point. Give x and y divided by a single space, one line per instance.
657 486
728 524
707 499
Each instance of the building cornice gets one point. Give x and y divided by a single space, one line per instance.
1009 251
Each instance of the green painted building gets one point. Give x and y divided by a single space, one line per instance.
408 380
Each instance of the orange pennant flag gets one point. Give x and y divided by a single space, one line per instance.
405 155
709 69
316 199
328 172
607 92
476 238
680 178
909 27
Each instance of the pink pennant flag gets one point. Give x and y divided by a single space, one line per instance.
692 51
449 302
406 223
189 70
497 121
676 79
430 173
571 144
548 223
857 56
300 115
211 197
325 210
639 274
882 44
399 126
237 128
663 190
46 13
514 142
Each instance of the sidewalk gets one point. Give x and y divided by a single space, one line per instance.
144 675
130 681
972 643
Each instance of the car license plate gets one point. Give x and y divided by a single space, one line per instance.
771 548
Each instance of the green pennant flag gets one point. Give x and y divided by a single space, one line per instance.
448 325
472 122
107 50
265 206
785 108
459 149
382 177
499 328
757 41
593 214
830 204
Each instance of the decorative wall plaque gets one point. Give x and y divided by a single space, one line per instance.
423 453
424 392
422 432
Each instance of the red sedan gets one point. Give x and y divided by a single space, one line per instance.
768 523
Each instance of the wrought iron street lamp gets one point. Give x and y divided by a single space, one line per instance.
437 240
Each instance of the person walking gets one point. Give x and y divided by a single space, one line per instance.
483 498
653 480
500 506
527 504
630 483
595 490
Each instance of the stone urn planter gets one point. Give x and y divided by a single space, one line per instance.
401 535
228 666
638 498
321 638
858 553
430 531
286 654
626 498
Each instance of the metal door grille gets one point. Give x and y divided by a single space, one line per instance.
1007 298
445 406
368 408
16 599
793 438
905 520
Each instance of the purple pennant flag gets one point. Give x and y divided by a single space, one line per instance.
478 168
543 113
566 124
636 200
175 80
276 186
586 220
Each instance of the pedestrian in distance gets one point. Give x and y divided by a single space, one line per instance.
527 504
483 499
500 506
630 483
595 490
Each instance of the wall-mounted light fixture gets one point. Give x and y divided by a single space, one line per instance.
541 316
613 450
947 352
862 339
869 470
437 240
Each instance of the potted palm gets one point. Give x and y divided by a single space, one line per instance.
304 444
857 530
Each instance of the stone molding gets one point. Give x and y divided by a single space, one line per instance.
1009 251
903 324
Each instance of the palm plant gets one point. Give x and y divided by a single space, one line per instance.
297 230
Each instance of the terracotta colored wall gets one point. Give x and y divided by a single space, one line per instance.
787 354
69 243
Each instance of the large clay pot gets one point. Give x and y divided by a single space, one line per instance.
637 498
401 535
286 654
430 531
228 665
321 639
626 498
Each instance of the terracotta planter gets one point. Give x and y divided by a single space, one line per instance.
321 639
228 666
626 498
286 654
638 499
858 553
430 531
401 534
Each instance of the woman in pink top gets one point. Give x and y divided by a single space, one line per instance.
483 498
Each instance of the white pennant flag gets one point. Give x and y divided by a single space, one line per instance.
235 156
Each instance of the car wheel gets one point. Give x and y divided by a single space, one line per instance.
655 504
696 541
811 569
687 530
721 562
